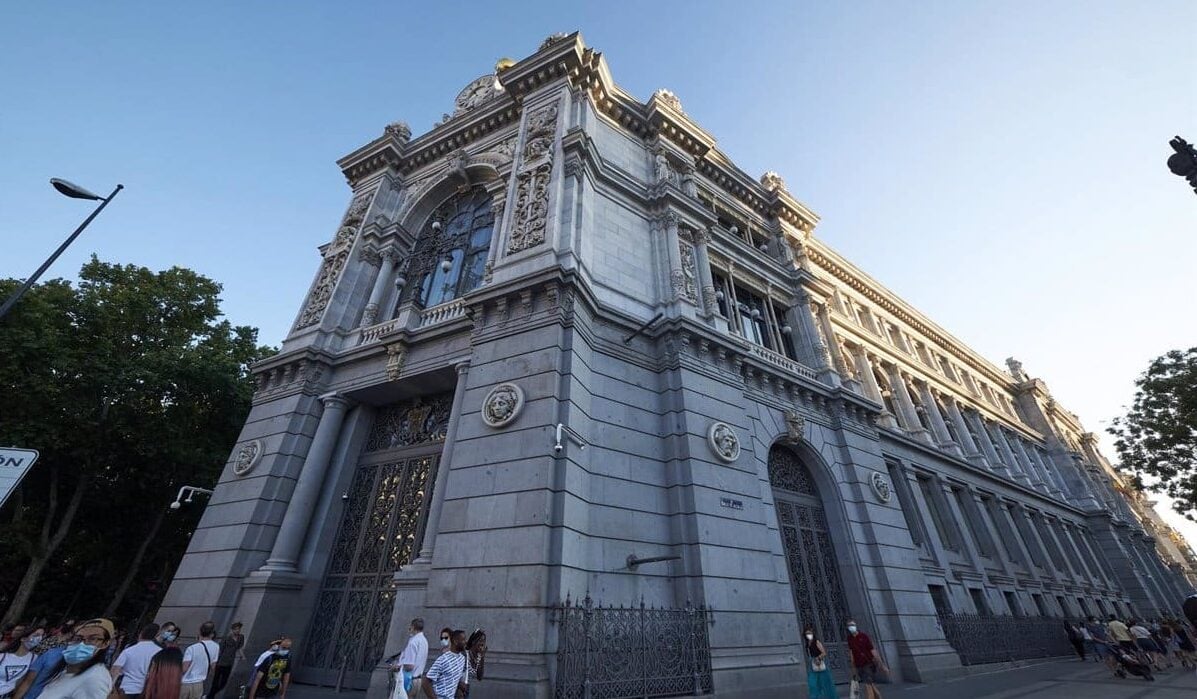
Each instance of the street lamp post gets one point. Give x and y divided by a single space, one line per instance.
75 192
189 491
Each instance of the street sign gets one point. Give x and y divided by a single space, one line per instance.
14 464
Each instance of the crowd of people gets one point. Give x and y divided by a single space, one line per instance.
1133 645
91 660
461 660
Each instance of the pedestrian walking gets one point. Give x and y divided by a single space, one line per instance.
231 648
819 684
131 666
81 673
1121 635
41 671
1184 640
1146 645
866 662
164 679
1075 638
475 650
1100 645
409 667
446 677
199 662
17 657
272 677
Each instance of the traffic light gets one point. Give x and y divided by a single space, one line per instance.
1183 163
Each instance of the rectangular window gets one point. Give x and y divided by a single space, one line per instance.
998 518
1084 607
1012 603
910 510
947 368
1038 600
979 533
939 596
1045 535
947 534
753 320
1102 609
979 601
1065 609
1028 539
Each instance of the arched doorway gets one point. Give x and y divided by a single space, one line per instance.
810 556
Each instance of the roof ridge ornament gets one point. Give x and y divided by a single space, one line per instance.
773 182
668 97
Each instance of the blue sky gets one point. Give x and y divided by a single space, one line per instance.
1000 166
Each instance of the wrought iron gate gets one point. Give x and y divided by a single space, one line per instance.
621 652
810 556
381 529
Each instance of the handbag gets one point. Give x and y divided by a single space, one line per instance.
818 665
854 689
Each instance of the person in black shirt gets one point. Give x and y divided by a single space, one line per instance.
273 675
230 650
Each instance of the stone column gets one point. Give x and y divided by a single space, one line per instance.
940 428
388 260
733 304
433 523
832 346
987 445
677 277
1055 480
710 304
1017 471
1037 475
905 405
288 543
972 450
771 321
801 318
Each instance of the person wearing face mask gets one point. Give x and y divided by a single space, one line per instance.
819 684
131 666
446 677
81 673
273 675
446 634
40 671
411 662
17 657
865 660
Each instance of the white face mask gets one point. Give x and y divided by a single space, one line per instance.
274 649
810 637
852 628
444 643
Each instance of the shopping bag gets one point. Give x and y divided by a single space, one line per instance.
854 689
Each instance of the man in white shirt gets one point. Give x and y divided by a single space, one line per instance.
133 663
198 661
412 660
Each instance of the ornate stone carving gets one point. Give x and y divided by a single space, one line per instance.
662 171
476 94
795 426
335 257
370 256
531 208
1016 369
880 486
689 271
399 130
247 457
502 405
724 443
667 97
418 421
773 181
396 354
551 39
542 128
504 149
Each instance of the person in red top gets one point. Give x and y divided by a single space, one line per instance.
865 660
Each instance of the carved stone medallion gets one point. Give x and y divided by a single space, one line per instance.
880 486
502 405
724 443
248 456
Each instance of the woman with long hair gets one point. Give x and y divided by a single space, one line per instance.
17 657
81 674
164 679
475 658
819 684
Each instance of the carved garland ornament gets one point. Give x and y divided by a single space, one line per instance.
724 443
688 285
530 214
502 405
248 456
335 258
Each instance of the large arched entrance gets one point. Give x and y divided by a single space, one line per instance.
810 556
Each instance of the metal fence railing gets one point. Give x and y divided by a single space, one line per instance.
624 652
982 639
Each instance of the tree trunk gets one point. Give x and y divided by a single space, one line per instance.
46 545
131 571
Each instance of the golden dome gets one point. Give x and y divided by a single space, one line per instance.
503 64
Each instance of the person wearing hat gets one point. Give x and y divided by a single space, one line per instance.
81 673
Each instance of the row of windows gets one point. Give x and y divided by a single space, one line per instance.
1077 607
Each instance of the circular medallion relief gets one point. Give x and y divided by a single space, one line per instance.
880 486
725 445
502 405
247 457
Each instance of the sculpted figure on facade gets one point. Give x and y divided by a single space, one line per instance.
667 97
724 443
773 182
795 426
335 257
502 405
247 457
399 130
530 214
687 285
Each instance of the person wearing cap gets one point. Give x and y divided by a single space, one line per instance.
230 650
81 673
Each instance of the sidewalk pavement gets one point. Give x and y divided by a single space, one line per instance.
1058 679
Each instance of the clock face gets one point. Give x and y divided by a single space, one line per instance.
475 93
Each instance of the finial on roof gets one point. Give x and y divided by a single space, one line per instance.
1016 371
667 97
400 130
773 181
552 39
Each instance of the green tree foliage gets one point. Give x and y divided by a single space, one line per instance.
1157 438
130 384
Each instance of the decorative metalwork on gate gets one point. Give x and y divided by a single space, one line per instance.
621 652
810 556
422 420
381 528
982 639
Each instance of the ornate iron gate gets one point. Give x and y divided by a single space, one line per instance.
993 639
381 529
810 557
620 652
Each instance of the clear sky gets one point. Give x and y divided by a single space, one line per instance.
999 165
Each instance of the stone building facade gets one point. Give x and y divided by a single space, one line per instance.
562 333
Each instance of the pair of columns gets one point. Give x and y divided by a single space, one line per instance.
292 532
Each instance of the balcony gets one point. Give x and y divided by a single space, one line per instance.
445 312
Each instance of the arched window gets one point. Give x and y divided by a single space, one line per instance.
449 259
